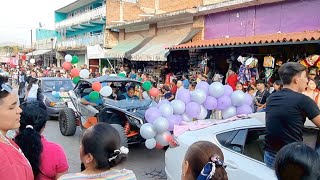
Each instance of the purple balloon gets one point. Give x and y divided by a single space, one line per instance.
184 95
193 109
210 103
244 109
173 120
165 101
227 90
249 99
203 86
223 102
152 114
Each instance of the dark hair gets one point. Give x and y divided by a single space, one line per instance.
101 141
31 82
174 81
166 87
199 154
260 81
297 161
279 83
131 88
288 70
193 84
3 80
250 88
29 139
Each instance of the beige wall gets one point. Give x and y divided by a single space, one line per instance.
207 2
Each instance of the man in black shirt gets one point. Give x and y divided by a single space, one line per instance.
286 111
261 97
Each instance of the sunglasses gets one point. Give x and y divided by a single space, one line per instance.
6 87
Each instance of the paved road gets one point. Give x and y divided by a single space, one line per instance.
146 164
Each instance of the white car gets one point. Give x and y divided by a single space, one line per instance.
242 144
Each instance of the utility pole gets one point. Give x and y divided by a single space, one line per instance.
31 44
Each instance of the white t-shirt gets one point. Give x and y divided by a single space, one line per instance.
33 91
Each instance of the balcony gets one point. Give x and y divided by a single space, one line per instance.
80 43
84 18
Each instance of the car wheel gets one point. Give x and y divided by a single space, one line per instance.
123 137
67 122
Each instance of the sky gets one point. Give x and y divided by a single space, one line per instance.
18 17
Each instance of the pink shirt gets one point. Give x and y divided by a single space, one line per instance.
53 160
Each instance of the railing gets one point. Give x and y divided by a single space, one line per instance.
82 18
80 42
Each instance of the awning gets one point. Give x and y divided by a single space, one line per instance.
38 52
125 48
156 50
4 59
259 40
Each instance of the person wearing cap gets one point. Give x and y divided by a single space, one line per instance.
232 79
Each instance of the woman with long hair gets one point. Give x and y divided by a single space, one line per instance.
14 165
204 160
32 90
47 159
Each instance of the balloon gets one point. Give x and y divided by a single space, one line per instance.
193 109
223 102
154 92
53 93
122 75
94 95
165 101
96 86
67 66
145 95
184 95
152 114
74 60
147 85
32 61
210 103
75 72
198 96
105 91
166 110
151 143
173 120
178 106
147 131
238 98
57 95
249 99
112 75
76 79
186 118
216 89
203 113
68 58
227 90
104 84
229 112
161 125
162 139
203 86
244 109
84 73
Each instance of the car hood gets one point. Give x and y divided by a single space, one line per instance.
49 95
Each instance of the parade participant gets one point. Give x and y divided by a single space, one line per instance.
14 165
192 86
166 93
204 161
312 91
287 110
47 159
239 86
185 81
261 96
32 90
86 100
174 87
129 95
297 161
232 79
100 152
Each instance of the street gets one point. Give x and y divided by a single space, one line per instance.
146 164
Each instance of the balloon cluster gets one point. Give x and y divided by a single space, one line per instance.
189 106
76 74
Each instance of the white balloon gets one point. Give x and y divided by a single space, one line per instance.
145 95
32 61
112 75
151 143
105 91
216 89
229 112
166 110
238 98
53 92
198 96
186 118
203 113
68 58
178 106
161 125
84 73
147 131
162 138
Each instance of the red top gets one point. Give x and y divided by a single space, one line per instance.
14 166
174 89
232 81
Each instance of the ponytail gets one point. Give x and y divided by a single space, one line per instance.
220 173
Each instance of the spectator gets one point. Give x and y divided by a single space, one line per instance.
32 90
251 92
174 86
201 159
86 100
312 91
277 85
287 110
239 86
47 159
232 79
14 165
133 74
129 95
166 93
185 81
192 86
100 152
297 161
261 96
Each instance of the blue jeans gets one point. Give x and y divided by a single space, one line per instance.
269 158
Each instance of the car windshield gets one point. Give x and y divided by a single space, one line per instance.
57 85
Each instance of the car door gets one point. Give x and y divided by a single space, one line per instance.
245 162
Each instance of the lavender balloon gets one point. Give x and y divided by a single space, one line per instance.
244 109
216 89
203 86
193 109
165 101
184 95
223 102
198 96
152 114
186 118
229 112
178 106
173 120
227 90
210 103
248 99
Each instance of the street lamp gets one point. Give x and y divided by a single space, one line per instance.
51 52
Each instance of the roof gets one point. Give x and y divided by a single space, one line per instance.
38 52
54 79
274 39
109 79
74 5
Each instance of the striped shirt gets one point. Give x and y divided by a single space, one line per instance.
112 174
